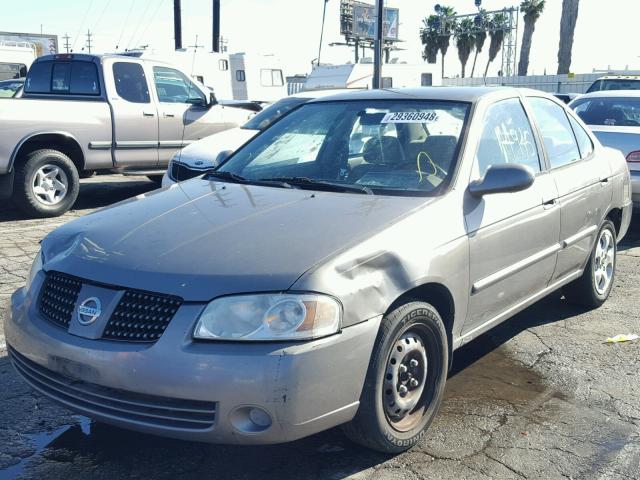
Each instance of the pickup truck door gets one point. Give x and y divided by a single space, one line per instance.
184 115
135 116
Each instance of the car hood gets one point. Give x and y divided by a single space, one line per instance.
202 239
203 153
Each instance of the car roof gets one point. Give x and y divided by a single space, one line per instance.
312 94
611 93
456 94
620 77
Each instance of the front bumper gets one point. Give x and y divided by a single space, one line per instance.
305 387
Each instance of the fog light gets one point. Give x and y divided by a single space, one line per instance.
250 419
260 417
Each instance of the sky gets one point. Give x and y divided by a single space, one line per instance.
290 29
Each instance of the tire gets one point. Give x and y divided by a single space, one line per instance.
590 290
41 203
379 425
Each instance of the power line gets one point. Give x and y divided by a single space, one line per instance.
150 22
144 12
124 23
95 25
84 19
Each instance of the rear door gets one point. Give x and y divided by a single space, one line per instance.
513 237
582 180
184 114
135 117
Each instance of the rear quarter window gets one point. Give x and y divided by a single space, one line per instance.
63 78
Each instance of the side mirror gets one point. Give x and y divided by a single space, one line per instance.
503 178
212 99
222 156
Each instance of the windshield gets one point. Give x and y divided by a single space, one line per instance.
9 88
384 147
273 112
617 84
611 111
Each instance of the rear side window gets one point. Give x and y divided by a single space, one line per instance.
131 82
39 78
584 142
507 137
557 134
63 78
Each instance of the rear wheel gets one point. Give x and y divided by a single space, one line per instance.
405 380
47 184
594 286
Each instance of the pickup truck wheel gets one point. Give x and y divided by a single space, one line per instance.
405 380
594 286
47 184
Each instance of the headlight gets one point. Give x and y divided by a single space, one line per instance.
269 317
36 266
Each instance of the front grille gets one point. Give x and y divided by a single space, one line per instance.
180 172
141 317
58 298
89 398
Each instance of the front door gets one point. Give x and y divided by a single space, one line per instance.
513 237
184 115
584 190
135 118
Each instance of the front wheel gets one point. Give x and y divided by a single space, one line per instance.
594 286
405 380
46 184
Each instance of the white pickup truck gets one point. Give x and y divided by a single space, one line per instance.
83 113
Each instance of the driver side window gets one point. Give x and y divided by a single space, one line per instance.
507 137
173 86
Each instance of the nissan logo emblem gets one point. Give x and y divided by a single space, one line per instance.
89 311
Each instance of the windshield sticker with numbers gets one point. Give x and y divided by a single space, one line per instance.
410 117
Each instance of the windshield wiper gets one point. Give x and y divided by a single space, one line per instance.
235 178
322 184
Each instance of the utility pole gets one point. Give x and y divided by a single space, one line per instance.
324 14
67 46
377 53
89 35
177 23
216 26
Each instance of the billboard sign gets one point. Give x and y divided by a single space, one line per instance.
364 22
45 44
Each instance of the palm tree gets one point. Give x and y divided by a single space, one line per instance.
480 36
447 28
567 29
532 10
429 37
496 33
465 41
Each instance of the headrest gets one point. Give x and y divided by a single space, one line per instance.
383 151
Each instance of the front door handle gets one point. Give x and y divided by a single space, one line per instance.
148 114
604 180
548 203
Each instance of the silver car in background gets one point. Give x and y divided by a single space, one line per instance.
305 284
614 117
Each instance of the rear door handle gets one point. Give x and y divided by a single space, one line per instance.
604 180
168 115
148 114
548 203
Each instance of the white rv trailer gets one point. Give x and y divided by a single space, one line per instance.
237 76
360 75
15 59
257 77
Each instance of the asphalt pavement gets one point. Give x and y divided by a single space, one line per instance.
541 396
